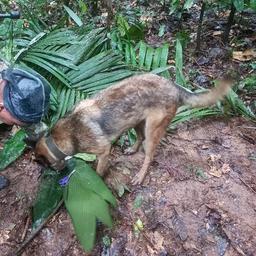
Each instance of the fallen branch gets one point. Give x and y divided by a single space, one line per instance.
35 232
25 229
247 185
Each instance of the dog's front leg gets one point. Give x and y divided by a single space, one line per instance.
102 162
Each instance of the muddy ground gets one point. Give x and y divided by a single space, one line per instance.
199 198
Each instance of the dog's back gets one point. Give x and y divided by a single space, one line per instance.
127 103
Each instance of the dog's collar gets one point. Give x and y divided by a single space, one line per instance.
54 148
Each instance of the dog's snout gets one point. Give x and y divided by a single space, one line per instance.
59 165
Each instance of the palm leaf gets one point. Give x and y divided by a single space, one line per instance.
13 148
239 107
146 58
180 79
73 16
52 58
41 63
86 199
185 113
103 80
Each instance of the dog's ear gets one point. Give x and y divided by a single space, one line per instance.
30 142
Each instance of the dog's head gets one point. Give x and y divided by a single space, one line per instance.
45 156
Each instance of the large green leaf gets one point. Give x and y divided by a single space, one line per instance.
59 51
86 157
179 64
53 58
67 98
95 84
41 63
188 4
86 199
149 58
146 58
164 59
73 16
89 179
93 66
253 4
174 6
84 222
239 4
142 54
238 106
48 197
13 148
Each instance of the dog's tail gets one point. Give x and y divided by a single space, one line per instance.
204 99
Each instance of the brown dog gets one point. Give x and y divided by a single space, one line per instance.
145 102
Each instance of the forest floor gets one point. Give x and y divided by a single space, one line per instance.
199 198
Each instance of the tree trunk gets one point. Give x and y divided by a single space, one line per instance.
108 4
93 7
199 29
229 24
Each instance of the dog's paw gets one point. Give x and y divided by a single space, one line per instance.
130 151
137 180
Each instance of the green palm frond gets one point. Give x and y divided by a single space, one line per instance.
67 98
104 79
185 113
144 57
238 106
75 65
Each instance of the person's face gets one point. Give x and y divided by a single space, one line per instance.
5 116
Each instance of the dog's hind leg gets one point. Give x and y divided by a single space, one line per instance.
155 128
140 132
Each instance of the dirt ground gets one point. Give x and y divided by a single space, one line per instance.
198 199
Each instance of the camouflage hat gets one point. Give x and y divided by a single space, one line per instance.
26 95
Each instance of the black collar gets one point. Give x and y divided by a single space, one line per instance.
54 149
